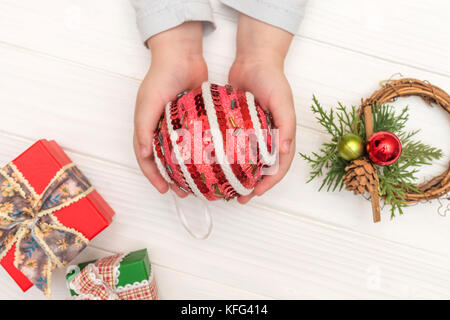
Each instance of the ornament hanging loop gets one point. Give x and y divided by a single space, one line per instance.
185 223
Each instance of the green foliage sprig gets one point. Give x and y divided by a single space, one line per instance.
394 179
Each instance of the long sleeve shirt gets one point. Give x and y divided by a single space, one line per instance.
155 16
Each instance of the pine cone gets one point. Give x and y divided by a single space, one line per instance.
361 176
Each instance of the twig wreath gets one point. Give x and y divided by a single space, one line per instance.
370 151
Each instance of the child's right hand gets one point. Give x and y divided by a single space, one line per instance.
177 65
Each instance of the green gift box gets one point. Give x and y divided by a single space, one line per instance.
119 277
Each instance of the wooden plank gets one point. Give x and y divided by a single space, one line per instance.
169 283
96 109
97 34
34 85
68 102
102 34
313 68
409 33
303 258
413 33
75 78
333 74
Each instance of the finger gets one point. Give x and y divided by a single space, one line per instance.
283 112
178 191
150 170
245 199
148 112
269 181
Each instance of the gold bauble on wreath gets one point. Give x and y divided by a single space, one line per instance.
438 186
351 147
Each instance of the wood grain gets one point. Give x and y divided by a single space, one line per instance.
169 283
70 71
402 32
308 259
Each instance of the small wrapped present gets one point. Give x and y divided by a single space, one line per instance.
117 277
48 213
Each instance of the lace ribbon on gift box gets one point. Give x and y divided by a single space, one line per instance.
27 221
99 281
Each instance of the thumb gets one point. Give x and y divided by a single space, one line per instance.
283 112
146 119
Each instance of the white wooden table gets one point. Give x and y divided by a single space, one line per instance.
70 69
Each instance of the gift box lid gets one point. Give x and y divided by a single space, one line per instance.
134 267
39 163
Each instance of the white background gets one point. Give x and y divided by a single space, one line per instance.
70 70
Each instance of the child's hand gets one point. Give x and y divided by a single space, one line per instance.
259 68
177 65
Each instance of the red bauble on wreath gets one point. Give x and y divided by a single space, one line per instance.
384 148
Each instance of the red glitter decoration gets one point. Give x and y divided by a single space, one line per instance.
197 107
384 148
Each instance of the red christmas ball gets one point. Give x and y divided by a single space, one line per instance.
384 148
214 142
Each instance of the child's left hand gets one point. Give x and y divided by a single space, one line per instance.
259 69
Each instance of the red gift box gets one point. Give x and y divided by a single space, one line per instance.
90 215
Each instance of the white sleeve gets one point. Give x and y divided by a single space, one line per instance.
155 16
285 14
